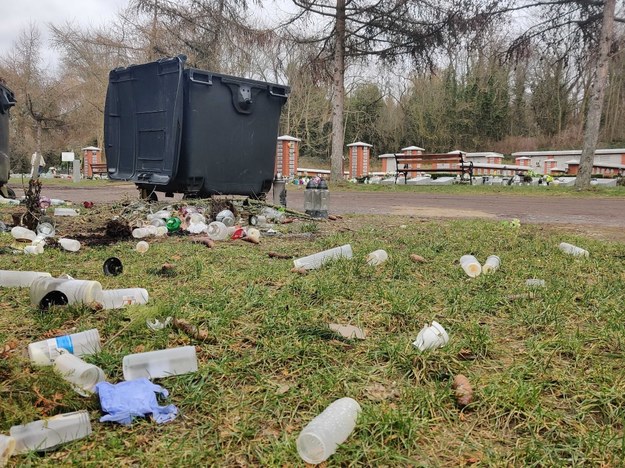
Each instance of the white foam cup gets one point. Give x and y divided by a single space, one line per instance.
431 337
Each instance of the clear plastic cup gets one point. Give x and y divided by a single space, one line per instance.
71 245
49 433
470 265
82 375
317 260
120 298
377 257
217 231
21 233
7 447
491 265
20 279
322 436
142 247
161 363
43 353
573 250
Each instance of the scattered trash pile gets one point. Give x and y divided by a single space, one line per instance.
136 396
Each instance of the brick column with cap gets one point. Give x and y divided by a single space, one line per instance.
287 156
359 154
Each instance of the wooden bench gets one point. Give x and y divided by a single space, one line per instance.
435 162
99 169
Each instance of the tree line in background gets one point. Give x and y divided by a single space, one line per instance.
449 76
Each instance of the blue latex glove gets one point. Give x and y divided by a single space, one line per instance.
125 400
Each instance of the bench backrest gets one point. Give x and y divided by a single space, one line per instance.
432 160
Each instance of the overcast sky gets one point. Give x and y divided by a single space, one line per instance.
16 15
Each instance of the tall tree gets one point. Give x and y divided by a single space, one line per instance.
388 30
597 93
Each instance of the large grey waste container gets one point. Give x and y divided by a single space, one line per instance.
174 129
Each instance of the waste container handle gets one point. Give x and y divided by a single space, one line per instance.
7 100
281 94
207 81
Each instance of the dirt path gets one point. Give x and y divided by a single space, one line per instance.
607 213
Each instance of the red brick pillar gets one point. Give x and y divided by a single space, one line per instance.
287 156
359 154
91 155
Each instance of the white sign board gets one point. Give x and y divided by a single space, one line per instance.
67 156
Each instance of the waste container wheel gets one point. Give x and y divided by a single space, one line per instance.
148 194
10 193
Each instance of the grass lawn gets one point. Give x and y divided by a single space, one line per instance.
547 370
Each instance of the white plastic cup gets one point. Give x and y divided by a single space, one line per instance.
253 234
65 212
573 250
20 279
197 228
491 265
226 217
377 257
71 245
33 249
431 337
140 233
77 291
161 231
314 261
142 247
21 233
43 353
162 214
49 433
120 298
157 222
82 375
535 283
7 447
161 363
470 265
322 436
45 229
217 231
197 218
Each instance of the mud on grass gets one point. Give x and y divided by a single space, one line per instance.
546 369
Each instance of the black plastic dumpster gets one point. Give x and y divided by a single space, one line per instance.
170 129
7 100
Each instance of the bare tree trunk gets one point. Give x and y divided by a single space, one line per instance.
338 95
38 150
597 92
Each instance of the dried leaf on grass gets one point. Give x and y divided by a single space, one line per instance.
190 329
301 271
46 405
463 390
379 392
207 241
8 348
417 258
279 255
347 331
282 389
